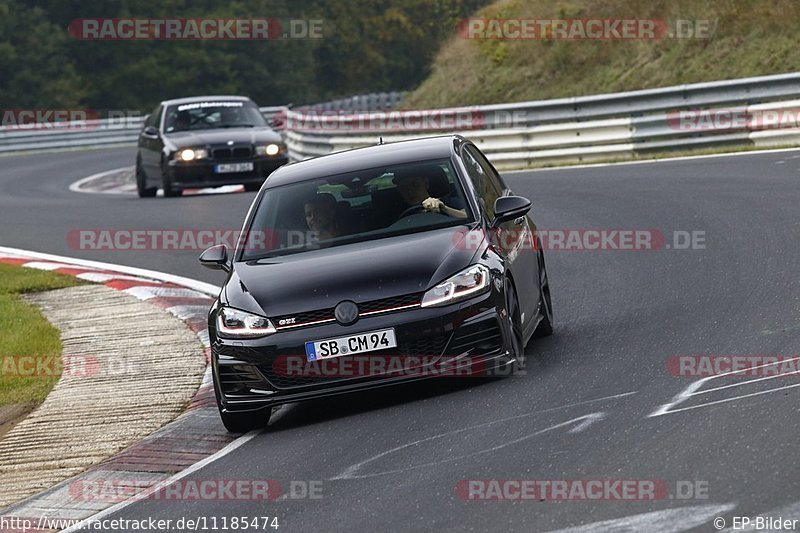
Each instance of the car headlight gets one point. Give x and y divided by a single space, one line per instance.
235 323
465 284
269 149
191 154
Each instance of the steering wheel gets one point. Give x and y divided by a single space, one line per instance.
411 210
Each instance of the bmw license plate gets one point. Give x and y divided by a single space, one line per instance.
225 168
352 344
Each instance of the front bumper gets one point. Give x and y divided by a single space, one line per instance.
197 174
464 339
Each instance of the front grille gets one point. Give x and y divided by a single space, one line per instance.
373 306
241 152
389 303
482 338
281 376
302 319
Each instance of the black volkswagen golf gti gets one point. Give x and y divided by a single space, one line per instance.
370 267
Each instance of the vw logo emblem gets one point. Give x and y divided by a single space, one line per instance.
346 313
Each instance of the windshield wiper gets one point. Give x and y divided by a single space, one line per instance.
236 126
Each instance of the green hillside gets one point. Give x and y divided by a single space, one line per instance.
750 38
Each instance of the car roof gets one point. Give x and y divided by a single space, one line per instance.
379 155
193 99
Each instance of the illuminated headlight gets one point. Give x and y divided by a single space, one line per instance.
269 149
189 154
474 280
235 323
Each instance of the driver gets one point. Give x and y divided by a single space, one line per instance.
413 189
182 121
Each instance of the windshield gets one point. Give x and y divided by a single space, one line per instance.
358 206
212 115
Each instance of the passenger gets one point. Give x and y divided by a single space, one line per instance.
320 214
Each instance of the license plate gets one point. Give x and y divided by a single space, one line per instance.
224 168
352 344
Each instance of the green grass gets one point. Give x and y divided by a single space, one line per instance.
25 332
751 38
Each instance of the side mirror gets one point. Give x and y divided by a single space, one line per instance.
508 208
215 258
151 131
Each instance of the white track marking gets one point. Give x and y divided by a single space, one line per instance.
666 520
130 189
47 265
790 512
98 277
692 390
207 288
146 293
664 409
582 423
185 312
76 186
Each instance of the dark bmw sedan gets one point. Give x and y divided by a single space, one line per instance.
206 141
371 267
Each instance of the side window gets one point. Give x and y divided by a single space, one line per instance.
487 184
155 117
151 118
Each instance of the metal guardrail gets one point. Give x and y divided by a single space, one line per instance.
360 102
102 133
580 129
516 135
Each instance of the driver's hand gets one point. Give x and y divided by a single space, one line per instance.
433 205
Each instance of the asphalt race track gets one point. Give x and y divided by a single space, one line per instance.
392 459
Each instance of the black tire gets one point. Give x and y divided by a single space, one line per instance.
237 422
141 183
252 187
545 327
169 190
513 316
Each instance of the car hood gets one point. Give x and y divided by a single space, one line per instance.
361 272
223 136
